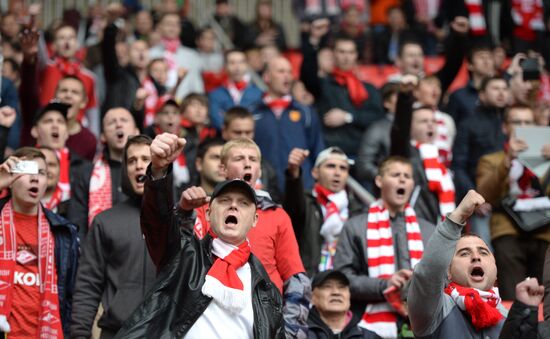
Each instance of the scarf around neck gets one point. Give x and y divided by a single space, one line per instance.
357 92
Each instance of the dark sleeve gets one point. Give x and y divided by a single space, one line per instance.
4 131
90 280
111 66
454 56
546 283
280 40
521 323
368 153
139 116
272 183
11 98
461 154
29 95
401 128
294 203
309 67
370 111
158 220
78 211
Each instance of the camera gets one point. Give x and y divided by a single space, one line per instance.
530 68
25 167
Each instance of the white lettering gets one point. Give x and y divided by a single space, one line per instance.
26 279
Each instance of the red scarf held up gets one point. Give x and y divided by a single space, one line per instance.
322 198
357 92
483 313
49 325
100 196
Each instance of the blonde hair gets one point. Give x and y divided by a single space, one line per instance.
239 143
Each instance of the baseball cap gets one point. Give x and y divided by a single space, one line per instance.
321 277
235 183
54 105
332 152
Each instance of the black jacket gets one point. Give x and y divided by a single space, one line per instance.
307 219
522 323
476 136
319 330
176 302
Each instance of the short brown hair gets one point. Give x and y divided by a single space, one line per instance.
383 167
234 113
239 143
29 153
509 109
200 98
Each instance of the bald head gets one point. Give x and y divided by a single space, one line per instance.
278 76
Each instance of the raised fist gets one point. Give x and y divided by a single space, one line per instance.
165 148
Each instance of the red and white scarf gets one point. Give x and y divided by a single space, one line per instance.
528 17
236 88
64 183
54 199
381 317
335 213
100 197
439 178
357 92
50 320
222 282
443 142
475 15
277 105
481 306
152 101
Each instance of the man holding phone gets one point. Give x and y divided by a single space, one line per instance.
39 253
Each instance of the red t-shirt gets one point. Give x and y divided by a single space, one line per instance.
25 307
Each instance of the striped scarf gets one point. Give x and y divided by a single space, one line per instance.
50 320
439 178
277 105
335 213
64 173
100 197
443 141
476 18
481 306
381 317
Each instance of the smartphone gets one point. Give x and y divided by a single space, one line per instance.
530 69
25 167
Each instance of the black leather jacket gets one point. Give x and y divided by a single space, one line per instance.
175 302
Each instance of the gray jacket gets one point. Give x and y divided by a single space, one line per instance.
351 257
433 313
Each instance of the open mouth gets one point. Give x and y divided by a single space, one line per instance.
33 190
120 135
430 134
141 178
231 220
247 177
477 272
400 191
55 135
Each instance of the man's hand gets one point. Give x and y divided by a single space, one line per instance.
467 206
335 118
115 11
318 29
399 278
460 25
192 198
28 39
7 116
515 146
545 151
530 292
165 148
6 177
515 64
141 95
295 160
408 83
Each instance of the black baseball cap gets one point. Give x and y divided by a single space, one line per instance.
53 105
235 183
321 277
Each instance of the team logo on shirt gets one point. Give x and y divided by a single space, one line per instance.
294 116
24 257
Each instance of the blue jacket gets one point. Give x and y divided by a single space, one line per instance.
10 98
298 127
66 262
463 103
220 101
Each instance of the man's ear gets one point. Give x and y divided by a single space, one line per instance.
102 138
255 219
378 181
198 164
315 173
207 215
223 170
34 132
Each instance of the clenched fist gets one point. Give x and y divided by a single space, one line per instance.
164 150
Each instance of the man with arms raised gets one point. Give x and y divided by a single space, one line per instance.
378 250
452 292
215 280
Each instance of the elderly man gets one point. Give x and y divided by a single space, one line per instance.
330 315
216 280
452 292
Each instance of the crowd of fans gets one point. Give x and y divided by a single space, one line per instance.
118 125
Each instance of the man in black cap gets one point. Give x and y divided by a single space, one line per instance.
209 288
330 314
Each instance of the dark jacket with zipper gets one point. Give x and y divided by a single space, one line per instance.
66 262
176 302
319 330
115 267
307 220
